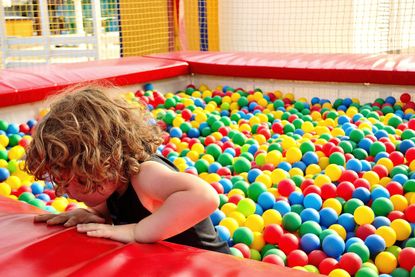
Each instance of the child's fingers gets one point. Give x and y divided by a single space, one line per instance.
43 217
83 228
100 233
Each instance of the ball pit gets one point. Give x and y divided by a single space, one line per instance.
302 184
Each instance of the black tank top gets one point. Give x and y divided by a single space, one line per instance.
127 208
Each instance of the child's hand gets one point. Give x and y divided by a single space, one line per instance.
122 233
69 219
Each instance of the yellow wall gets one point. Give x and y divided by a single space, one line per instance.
19 27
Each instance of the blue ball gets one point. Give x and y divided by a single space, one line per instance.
362 194
405 145
217 216
354 165
31 123
43 197
226 184
390 100
310 242
36 188
400 178
296 197
253 149
258 209
12 128
310 158
286 166
309 214
353 240
223 233
333 246
343 119
266 200
148 86
347 221
313 200
282 207
300 165
193 133
381 155
366 166
230 151
176 132
214 167
4 174
365 144
375 243
328 217
381 134
380 192
253 174
380 221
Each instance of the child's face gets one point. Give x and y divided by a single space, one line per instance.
92 199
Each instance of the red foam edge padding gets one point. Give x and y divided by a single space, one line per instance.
26 85
35 249
389 69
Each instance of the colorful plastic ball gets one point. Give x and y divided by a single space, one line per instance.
243 235
236 252
246 253
217 216
333 171
282 207
339 273
286 187
309 214
406 258
400 272
293 155
310 242
366 272
246 206
402 229
328 217
223 232
271 216
297 258
375 243
291 221
315 257
288 242
354 164
313 201
273 259
381 221
333 246
347 221
310 158
385 262
241 165
345 190
327 265
26 197
363 215
360 249
4 174
256 189
266 200
350 262
310 227
388 235
382 206
362 194
272 233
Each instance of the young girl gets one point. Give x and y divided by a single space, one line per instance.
101 151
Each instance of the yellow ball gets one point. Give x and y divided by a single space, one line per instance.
313 169
198 147
386 262
272 216
388 235
258 242
295 171
372 177
5 189
399 202
265 179
386 163
273 157
278 175
14 182
255 223
339 273
16 152
333 171
230 223
339 230
193 155
321 180
323 162
239 217
59 204
334 204
364 215
228 208
4 140
232 192
293 155
402 228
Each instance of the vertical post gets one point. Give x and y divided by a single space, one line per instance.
78 17
97 25
44 23
3 36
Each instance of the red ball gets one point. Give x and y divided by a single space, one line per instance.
23 189
316 257
224 171
269 167
350 262
327 265
410 213
397 158
365 230
348 175
381 170
411 124
345 190
312 189
306 183
217 186
246 252
327 147
405 97
394 188
288 243
273 259
277 128
286 187
361 182
24 128
410 154
406 258
235 198
390 147
328 191
71 206
272 233
297 258
396 215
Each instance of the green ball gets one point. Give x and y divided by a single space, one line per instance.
376 148
185 127
216 125
3 155
361 250
37 203
291 221
243 102
346 146
394 121
255 189
214 150
26 197
14 140
307 146
351 205
169 117
201 166
400 272
246 206
395 250
382 206
206 131
337 158
241 165
236 252
255 255
310 227
400 169
225 159
170 103
12 166
242 185
239 139
298 180
277 252
289 128
275 146
4 125
297 208
366 272
359 154
410 243
278 104
356 135
243 235
407 134
266 248
223 199
326 233
247 156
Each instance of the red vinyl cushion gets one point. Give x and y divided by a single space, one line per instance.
390 69
35 249
26 85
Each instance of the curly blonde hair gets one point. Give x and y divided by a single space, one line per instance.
93 138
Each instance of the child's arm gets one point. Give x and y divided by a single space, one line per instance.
96 214
184 200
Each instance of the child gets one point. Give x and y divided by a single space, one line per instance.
101 151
